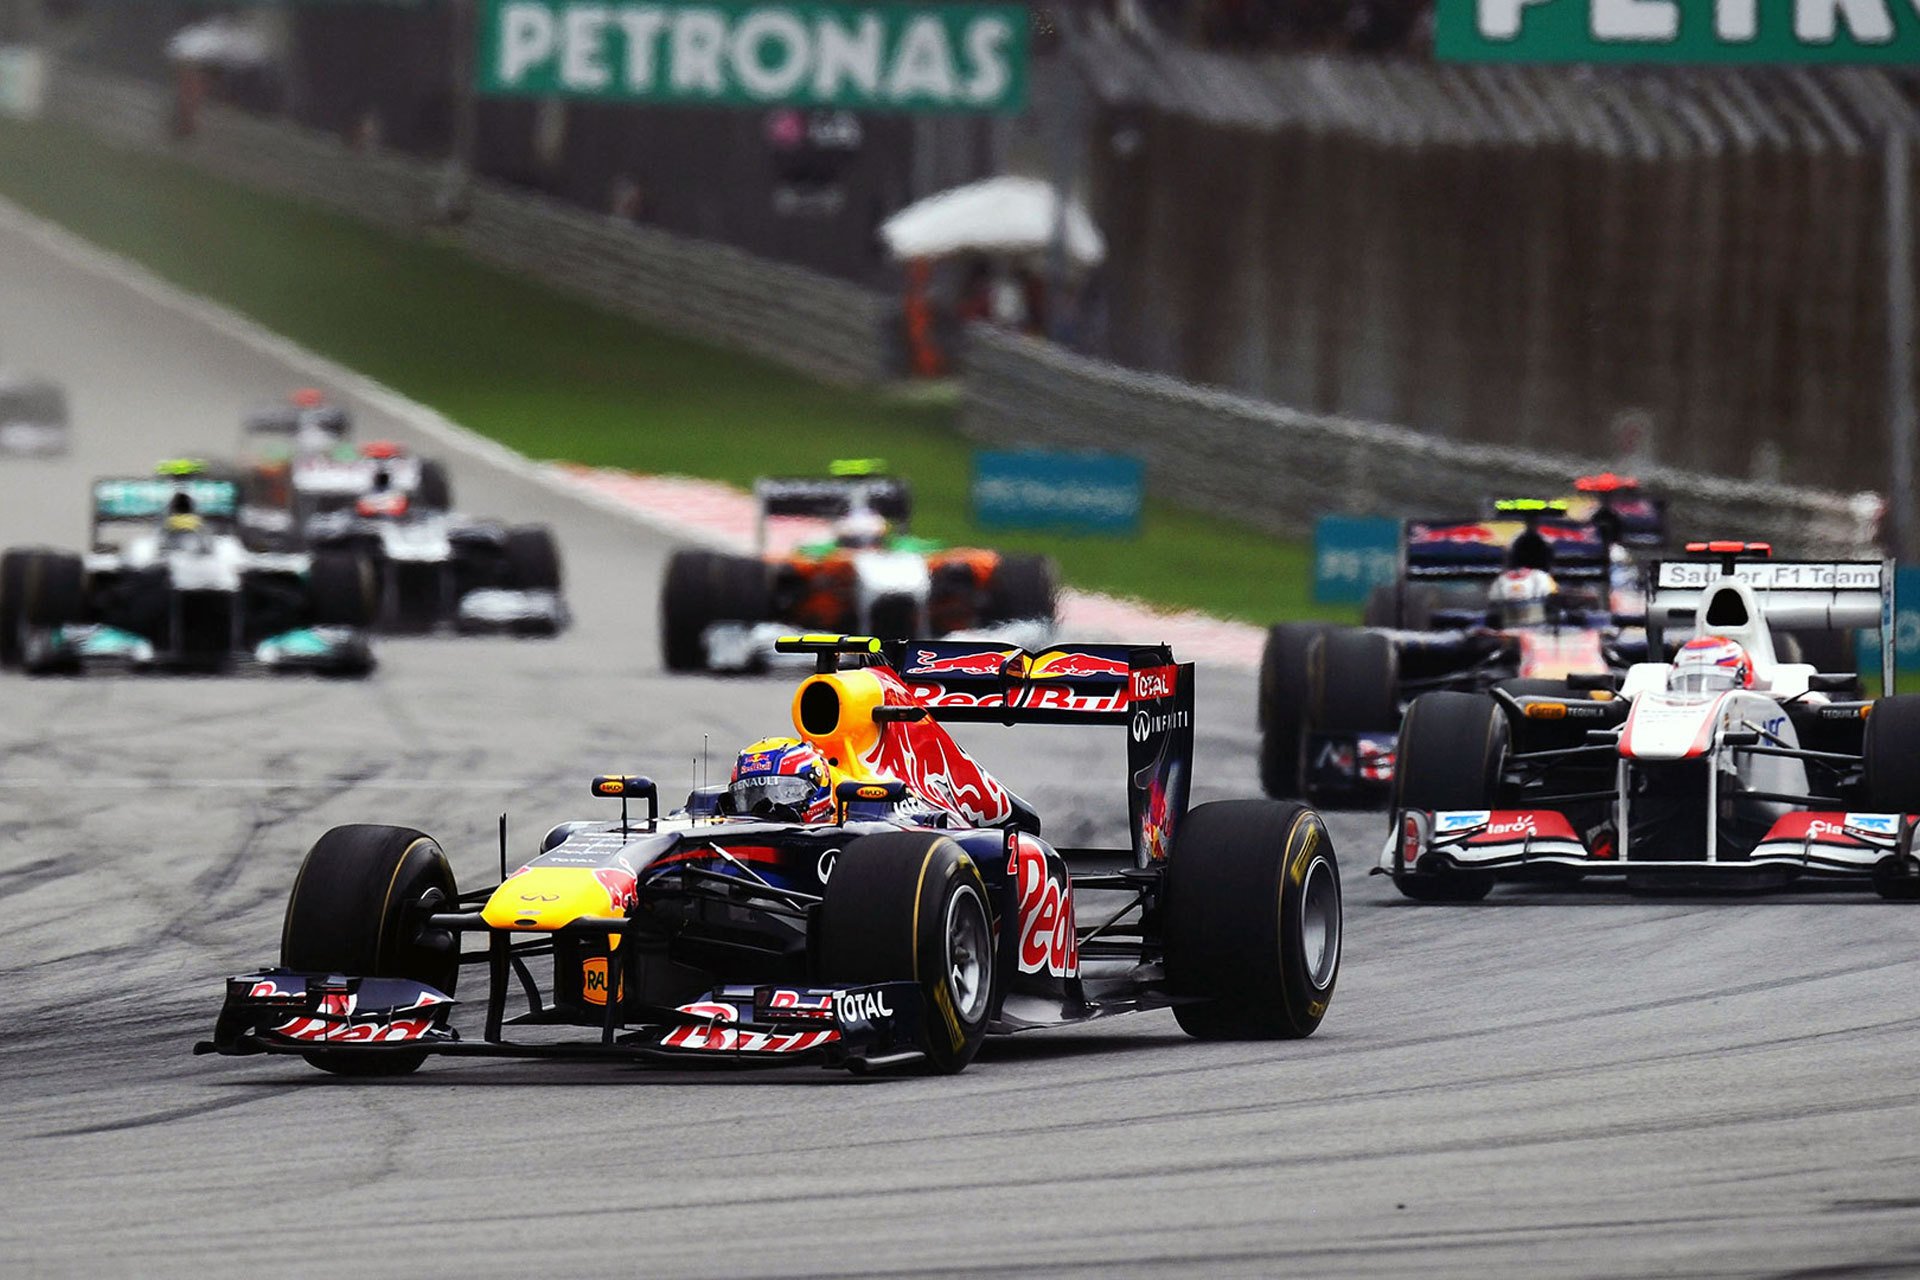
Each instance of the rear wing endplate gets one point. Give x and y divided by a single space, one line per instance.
1141 687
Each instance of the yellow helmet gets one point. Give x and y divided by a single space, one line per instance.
185 522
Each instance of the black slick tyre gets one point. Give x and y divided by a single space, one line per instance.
533 558
1252 920
911 906
13 614
435 491
1283 704
1355 678
1452 754
356 910
1023 588
1891 749
341 586
701 588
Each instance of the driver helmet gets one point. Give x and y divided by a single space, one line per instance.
781 778
1518 598
180 529
1711 664
860 530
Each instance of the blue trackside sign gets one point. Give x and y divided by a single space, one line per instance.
1352 555
1906 618
1069 492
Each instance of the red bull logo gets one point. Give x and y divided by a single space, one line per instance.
1065 664
1453 533
1049 942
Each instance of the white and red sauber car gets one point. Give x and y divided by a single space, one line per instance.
1796 775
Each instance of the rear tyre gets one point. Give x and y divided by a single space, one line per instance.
435 492
533 558
1383 606
13 613
1283 705
1452 754
1253 920
355 910
1356 683
1021 589
912 907
701 588
342 588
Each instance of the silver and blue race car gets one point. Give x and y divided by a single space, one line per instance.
168 584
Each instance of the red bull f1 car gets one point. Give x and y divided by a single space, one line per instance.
922 912
724 612
1726 767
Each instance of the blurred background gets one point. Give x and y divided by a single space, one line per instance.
1287 229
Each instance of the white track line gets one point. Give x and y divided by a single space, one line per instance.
695 510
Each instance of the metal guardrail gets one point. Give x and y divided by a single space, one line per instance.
1278 468
824 328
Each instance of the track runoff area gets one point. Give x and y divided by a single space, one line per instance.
1573 1085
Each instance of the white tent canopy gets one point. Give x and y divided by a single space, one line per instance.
1004 215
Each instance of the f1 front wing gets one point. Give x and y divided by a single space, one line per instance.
281 1011
1430 842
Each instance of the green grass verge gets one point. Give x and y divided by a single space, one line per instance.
556 378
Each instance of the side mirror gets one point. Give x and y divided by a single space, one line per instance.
1594 680
1833 682
624 787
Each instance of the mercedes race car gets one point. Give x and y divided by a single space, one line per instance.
721 612
433 567
862 895
169 584
1724 767
1502 604
298 460
33 417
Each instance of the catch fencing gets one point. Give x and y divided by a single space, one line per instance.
825 328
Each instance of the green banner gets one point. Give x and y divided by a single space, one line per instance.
1679 31
868 57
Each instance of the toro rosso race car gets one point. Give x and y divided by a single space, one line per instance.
1726 766
724 612
169 584
863 894
1500 604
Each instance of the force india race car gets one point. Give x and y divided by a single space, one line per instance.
920 913
723 612
169 584
1482 604
1747 771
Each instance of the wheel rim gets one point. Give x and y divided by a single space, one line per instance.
969 949
1320 923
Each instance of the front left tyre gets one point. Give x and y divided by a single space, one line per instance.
1252 920
912 905
358 908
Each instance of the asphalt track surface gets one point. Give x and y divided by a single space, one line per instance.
1546 1085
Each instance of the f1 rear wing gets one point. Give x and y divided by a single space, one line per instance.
1793 595
1476 550
831 497
1141 687
148 498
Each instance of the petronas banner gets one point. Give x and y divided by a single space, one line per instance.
868 57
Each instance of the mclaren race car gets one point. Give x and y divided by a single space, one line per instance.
1533 596
298 460
33 417
433 567
168 584
723 612
914 911
1724 767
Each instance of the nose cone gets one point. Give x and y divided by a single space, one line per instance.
542 899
